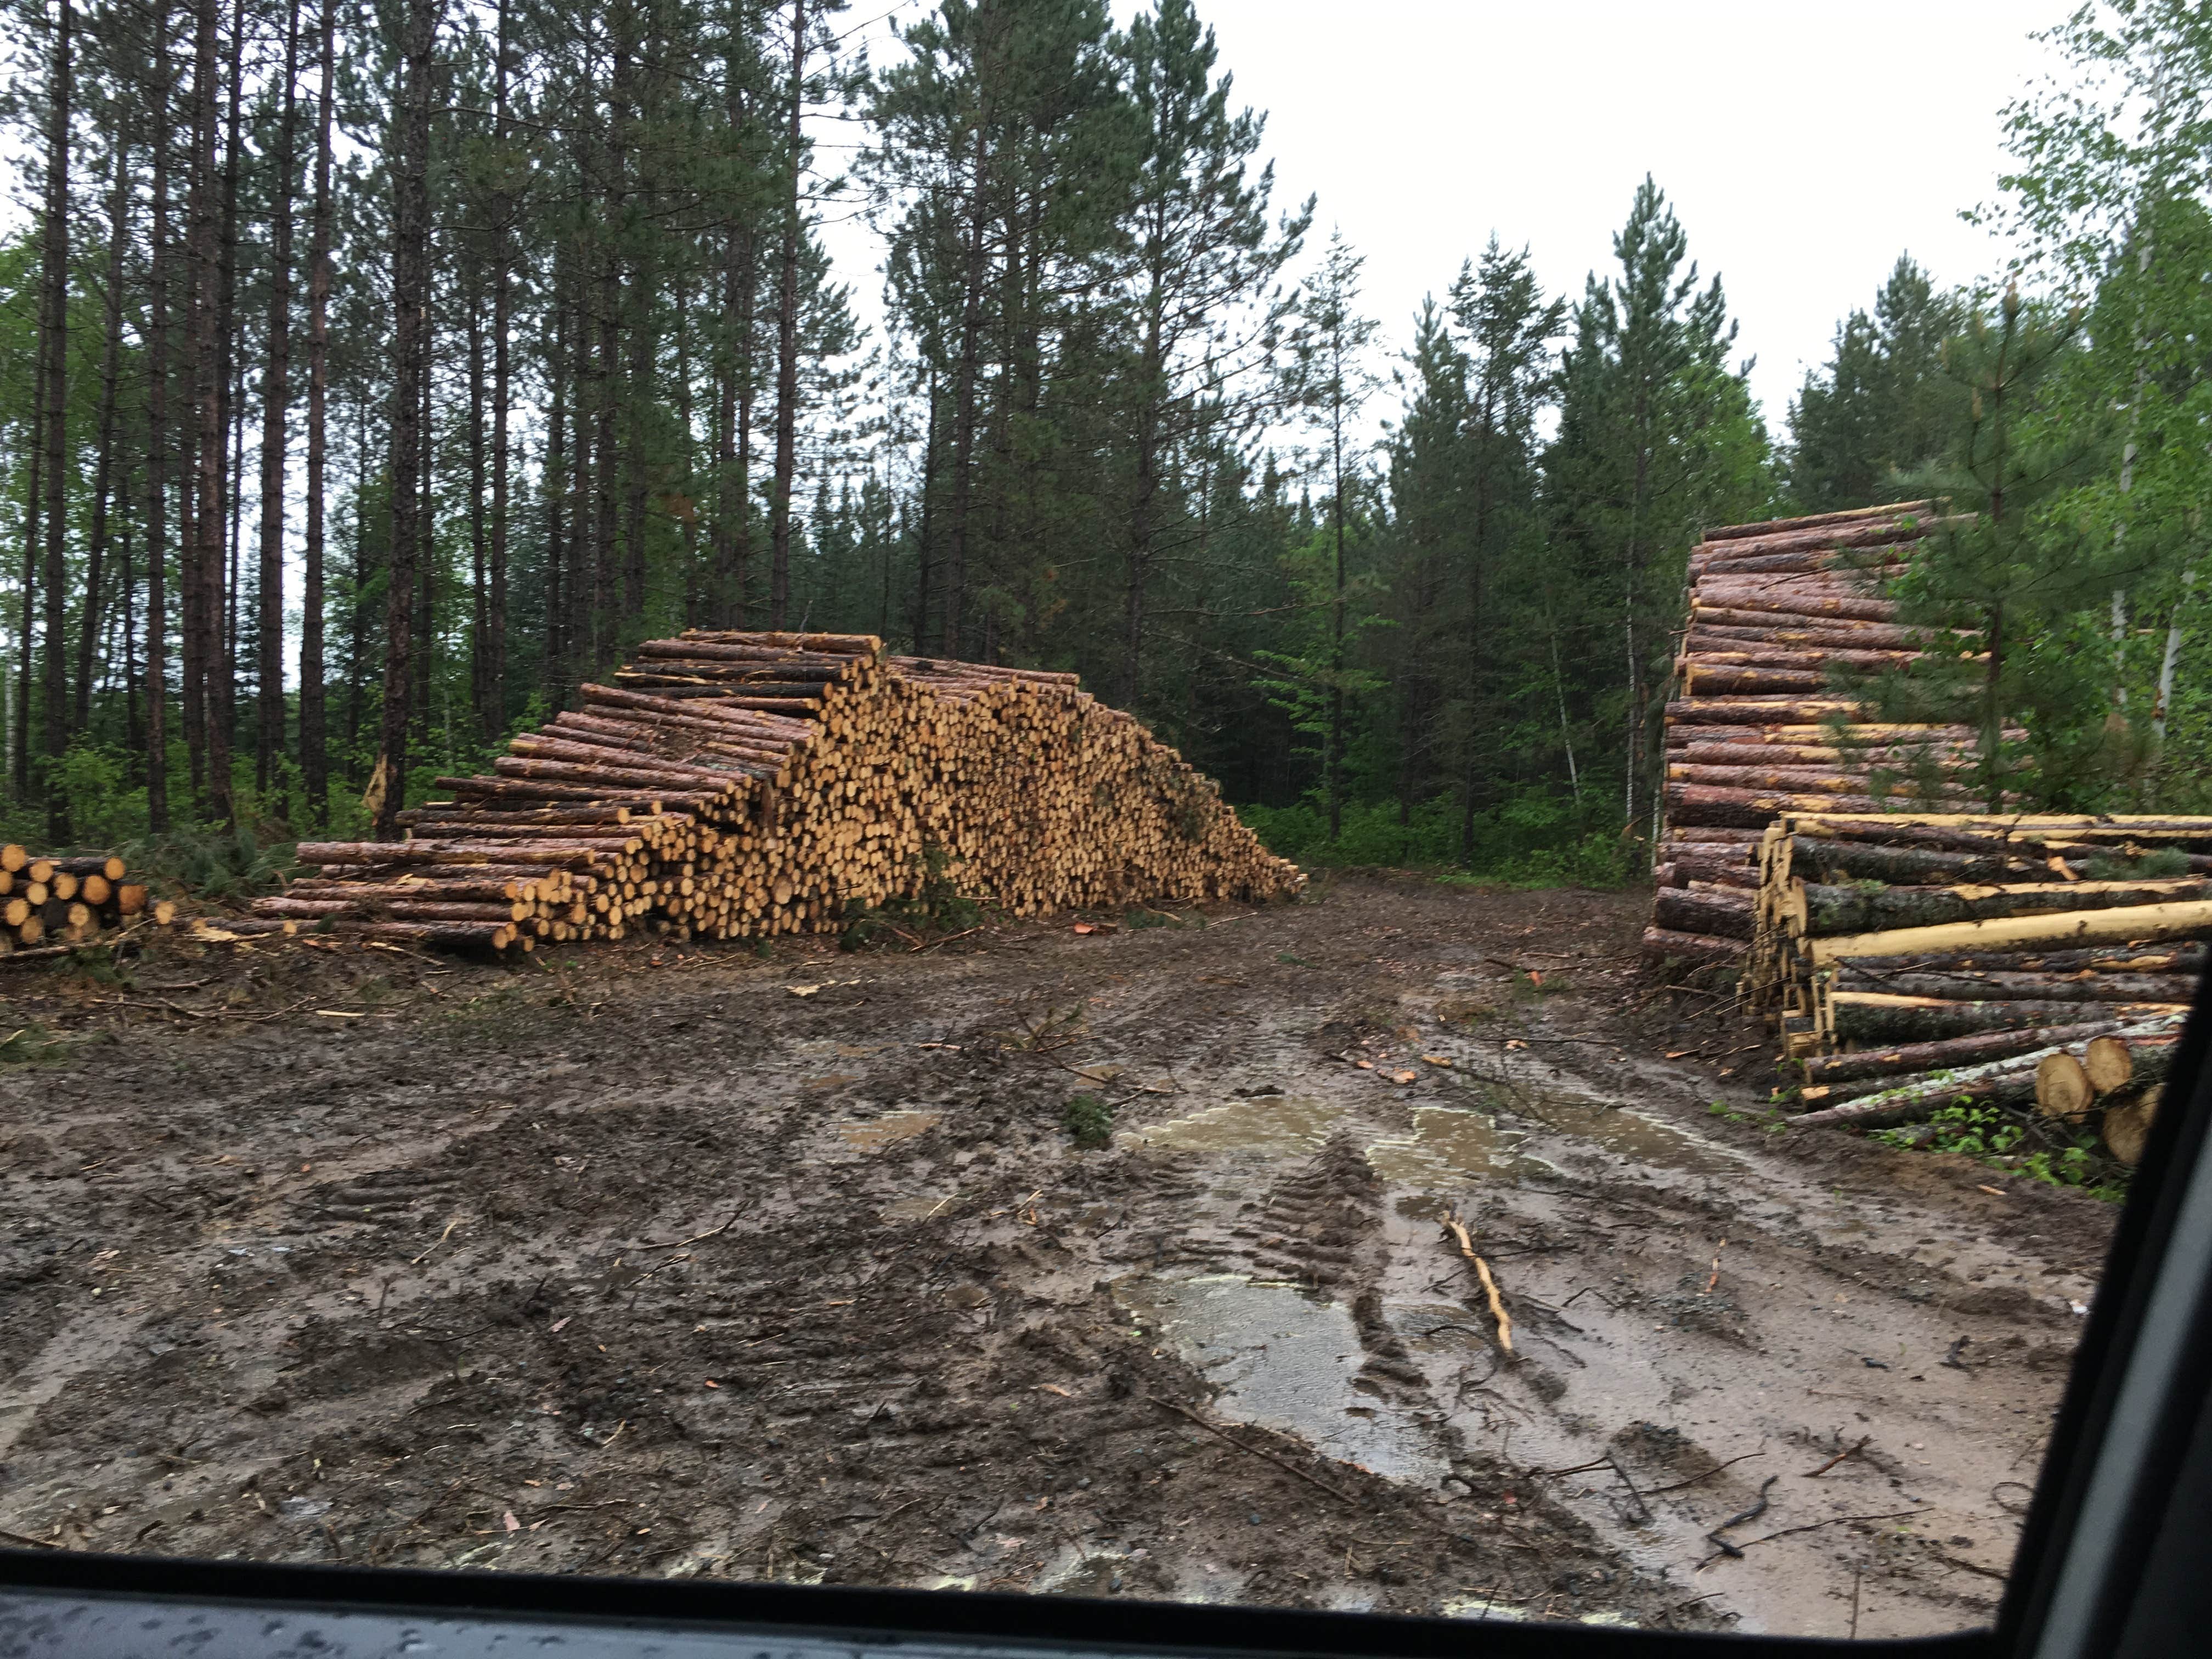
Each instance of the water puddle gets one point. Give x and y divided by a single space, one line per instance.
1273 1123
1447 1143
879 1133
1284 1361
1626 1134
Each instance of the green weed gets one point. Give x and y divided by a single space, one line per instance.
937 906
33 1045
2042 1151
1089 1121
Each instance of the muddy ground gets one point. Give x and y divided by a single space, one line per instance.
788 1266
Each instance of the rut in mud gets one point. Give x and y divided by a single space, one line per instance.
653 1266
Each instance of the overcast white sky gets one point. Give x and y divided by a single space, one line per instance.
1804 146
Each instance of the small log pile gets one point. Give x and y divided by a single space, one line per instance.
1756 727
56 902
2041 962
730 785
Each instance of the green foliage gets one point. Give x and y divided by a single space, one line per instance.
2040 1150
214 861
1089 1121
1533 839
33 1045
936 907
1879 409
2160 864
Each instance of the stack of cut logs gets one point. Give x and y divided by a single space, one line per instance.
747 784
2030 962
1757 729
52 901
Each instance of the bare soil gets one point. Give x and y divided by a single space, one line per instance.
666 1262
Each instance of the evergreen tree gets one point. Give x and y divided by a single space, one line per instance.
1327 380
1878 410
2011 558
1657 437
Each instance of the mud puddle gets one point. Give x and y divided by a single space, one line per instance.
1283 1359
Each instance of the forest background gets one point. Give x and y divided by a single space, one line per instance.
371 375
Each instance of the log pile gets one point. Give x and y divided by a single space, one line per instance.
2040 962
56 902
1756 727
730 784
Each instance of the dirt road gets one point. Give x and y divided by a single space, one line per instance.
788 1267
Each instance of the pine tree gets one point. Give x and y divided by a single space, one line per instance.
1657 435
1202 258
1879 408
2010 558
1325 377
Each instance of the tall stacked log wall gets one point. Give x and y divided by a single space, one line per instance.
751 784
1756 727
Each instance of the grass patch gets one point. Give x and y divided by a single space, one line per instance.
34 1045
1089 1121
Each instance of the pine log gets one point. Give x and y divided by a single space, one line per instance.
2190 918
1874 1017
369 910
1971 985
1948 1054
1817 910
1844 602
1847 779
2112 830
1894 512
1691 947
1872 860
1697 752
2063 1087
1704 653
2127 1125
1703 913
2009 1082
2105 1062
1810 627
1710 804
2183 960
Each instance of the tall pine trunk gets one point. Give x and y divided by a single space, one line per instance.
160 266
966 385
492 717
276 400
26 613
411 297
787 349
555 489
200 523
1333 760
110 350
220 515
53 343
314 743
479 488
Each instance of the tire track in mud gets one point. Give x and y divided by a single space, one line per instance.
935 1334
